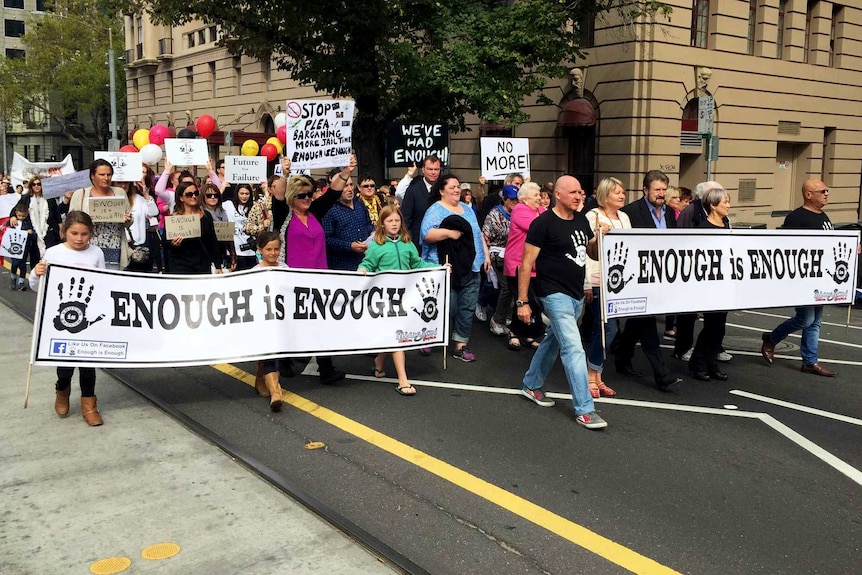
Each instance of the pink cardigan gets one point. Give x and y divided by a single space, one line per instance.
522 216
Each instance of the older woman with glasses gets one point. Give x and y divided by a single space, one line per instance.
201 255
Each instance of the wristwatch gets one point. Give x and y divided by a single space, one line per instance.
520 303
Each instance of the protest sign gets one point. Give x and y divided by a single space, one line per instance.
109 210
57 186
319 133
105 318
182 226
13 244
245 169
410 143
23 170
186 151
224 231
127 165
504 156
7 204
678 271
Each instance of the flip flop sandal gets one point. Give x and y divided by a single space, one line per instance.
378 373
401 391
514 344
605 391
532 343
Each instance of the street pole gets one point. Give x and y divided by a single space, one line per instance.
709 157
114 143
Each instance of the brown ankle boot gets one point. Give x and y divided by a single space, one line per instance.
274 387
61 402
90 411
259 384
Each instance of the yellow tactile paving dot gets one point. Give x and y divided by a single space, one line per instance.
160 551
110 565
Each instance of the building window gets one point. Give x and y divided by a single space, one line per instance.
837 19
171 86
588 31
213 34
809 30
191 37
19 4
37 153
14 28
202 37
267 75
190 77
752 25
140 28
15 53
213 78
779 41
133 97
40 6
237 74
699 23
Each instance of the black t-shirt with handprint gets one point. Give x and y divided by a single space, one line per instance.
561 265
804 219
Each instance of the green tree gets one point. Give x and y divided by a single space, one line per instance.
419 60
65 71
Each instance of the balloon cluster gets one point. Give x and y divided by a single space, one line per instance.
148 142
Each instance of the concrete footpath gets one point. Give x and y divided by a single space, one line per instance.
140 494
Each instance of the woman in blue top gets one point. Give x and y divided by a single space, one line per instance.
392 249
465 275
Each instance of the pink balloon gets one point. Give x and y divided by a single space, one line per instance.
281 133
269 151
128 148
158 133
205 125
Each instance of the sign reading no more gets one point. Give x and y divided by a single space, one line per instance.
504 156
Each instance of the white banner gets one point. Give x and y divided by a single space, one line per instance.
186 151
504 156
13 244
127 165
647 272
23 170
245 169
319 133
104 318
56 186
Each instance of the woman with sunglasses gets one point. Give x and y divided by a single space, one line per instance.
213 204
194 255
298 220
46 218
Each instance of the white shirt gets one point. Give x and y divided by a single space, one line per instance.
142 210
405 182
92 257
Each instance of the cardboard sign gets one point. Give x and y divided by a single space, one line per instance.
182 226
127 165
108 210
504 156
407 144
14 243
245 169
186 151
225 230
319 133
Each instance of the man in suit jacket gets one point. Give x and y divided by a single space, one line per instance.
416 198
651 212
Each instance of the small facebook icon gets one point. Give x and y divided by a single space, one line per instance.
59 348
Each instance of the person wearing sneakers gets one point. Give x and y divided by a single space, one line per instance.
809 216
558 243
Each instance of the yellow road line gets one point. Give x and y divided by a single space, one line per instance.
577 534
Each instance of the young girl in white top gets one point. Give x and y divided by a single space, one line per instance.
266 379
75 251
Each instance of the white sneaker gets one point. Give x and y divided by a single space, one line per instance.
481 313
496 328
724 356
687 355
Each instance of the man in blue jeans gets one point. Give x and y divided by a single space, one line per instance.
809 216
558 243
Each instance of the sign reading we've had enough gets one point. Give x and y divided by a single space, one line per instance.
408 144
319 133
504 156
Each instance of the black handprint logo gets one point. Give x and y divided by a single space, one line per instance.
428 291
841 253
72 313
617 257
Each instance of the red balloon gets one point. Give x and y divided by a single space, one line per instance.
172 132
281 133
205 125
269 151
128 148
158 133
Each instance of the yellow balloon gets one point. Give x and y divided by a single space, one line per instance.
250 148
141 138
274 141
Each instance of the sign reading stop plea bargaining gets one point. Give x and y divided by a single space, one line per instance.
319 133
504 156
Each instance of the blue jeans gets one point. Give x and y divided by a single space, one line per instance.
808 320
462 304
595 357
564 339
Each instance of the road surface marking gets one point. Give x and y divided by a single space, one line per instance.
798 407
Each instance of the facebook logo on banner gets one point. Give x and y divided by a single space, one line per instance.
59 348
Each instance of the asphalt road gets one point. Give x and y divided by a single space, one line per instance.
468 477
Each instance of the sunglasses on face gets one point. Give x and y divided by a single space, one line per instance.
368 186
193 194
37 183
212 195
303 196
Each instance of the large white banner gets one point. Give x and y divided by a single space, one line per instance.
22 169
319 133
106 318
647 272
